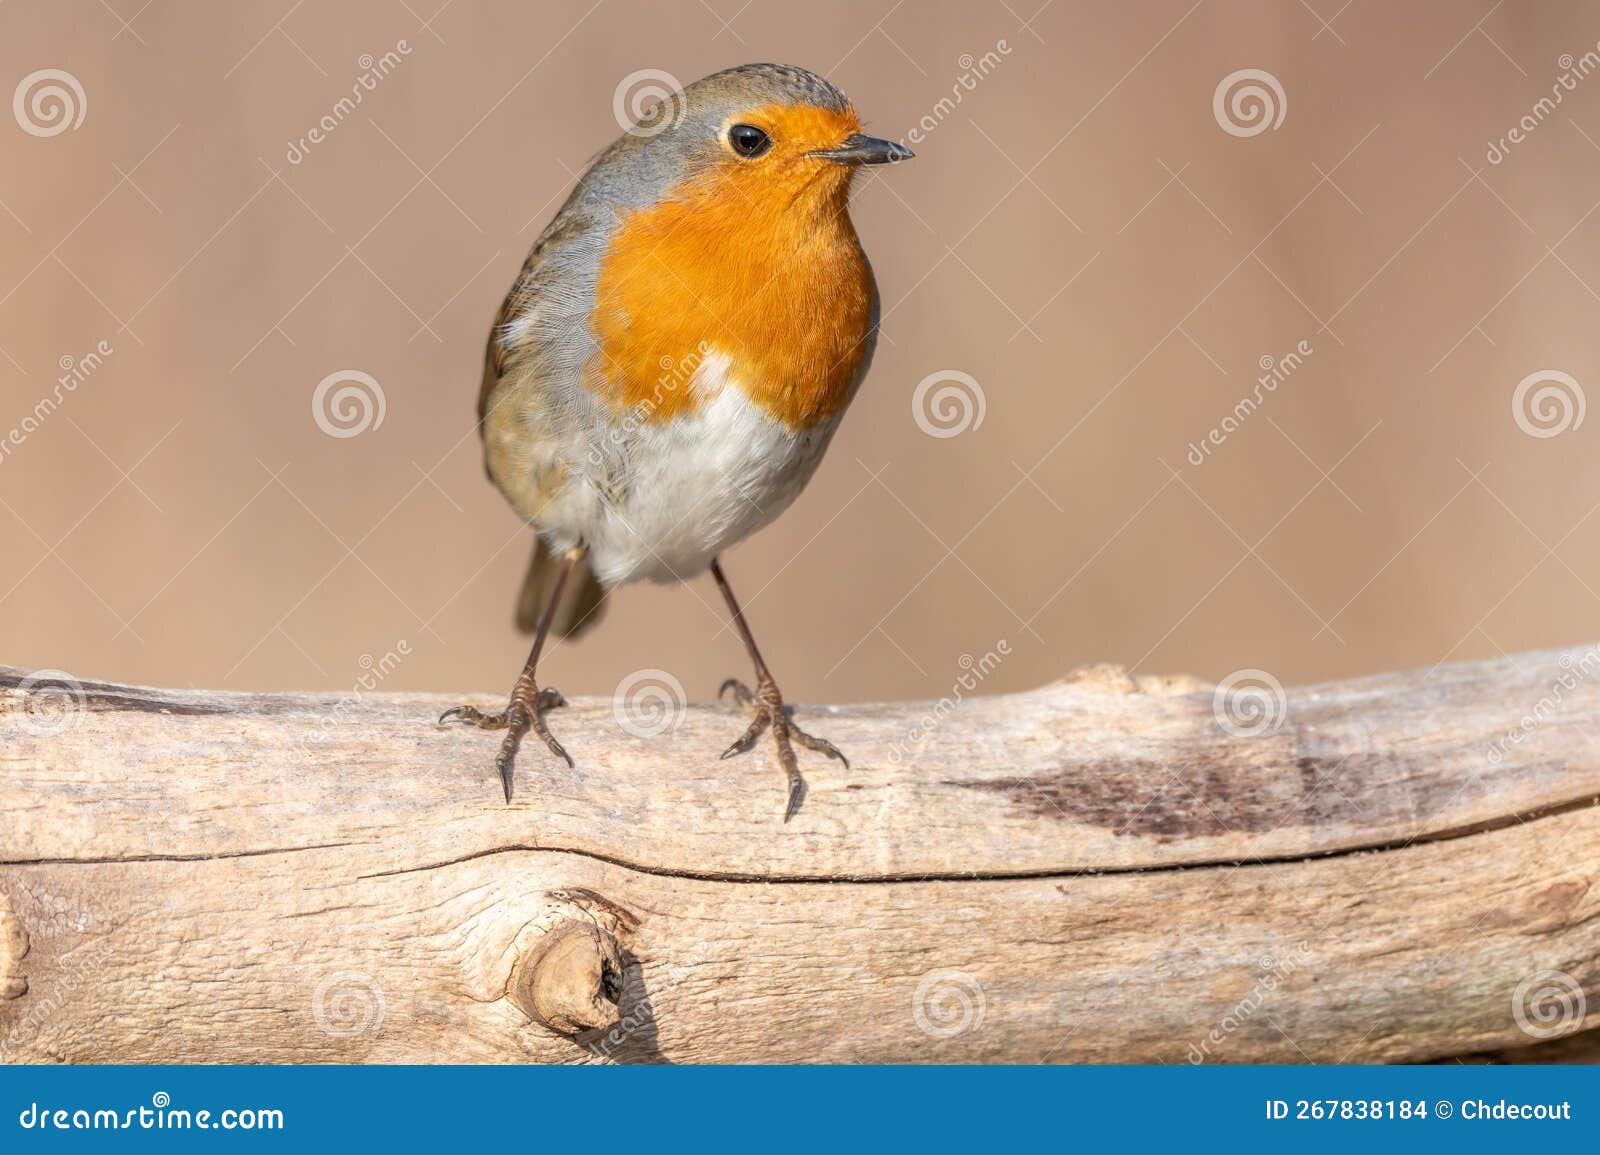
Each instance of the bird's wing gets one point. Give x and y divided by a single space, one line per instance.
542 423
540 310
537 417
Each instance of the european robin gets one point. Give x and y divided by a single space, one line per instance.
668 369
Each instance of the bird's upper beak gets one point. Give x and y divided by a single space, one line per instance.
858 149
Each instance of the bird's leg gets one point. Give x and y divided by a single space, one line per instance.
525 711
765 702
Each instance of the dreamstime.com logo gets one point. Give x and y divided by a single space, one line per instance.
1572 71
1249 102
74 372
1249 703
640 1016
973 71
1274 372
348 403
160 1115
348 1003
81 967
648 703
1548 1005
948 1003
676 373
312 739
647 102
49 102
53 702
1274 971
947 403
1548 403
373 71
973 672
1575 671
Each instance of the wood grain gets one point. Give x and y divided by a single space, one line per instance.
1098 870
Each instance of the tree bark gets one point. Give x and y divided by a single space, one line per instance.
1107 869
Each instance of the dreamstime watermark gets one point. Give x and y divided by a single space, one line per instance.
347 403
75 371
676 373
948 1003
1572 71
637 1017
1548 403
974 671
1549 1004
49 102
640 1016
374 671
974 69
1274 973
647 102
648 703
948 403
1575 671
79 964
160 1115
373 70
79 968
53 702
1249 102
1249 703
348 1003
1274 372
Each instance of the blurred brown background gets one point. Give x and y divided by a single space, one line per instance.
1079 234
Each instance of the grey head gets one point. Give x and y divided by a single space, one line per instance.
676 133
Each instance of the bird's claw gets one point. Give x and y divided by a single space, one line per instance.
473 715
524 712
748 739
766 704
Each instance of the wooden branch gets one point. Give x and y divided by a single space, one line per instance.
1393 868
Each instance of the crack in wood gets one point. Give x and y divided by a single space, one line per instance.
745 878
740 878
117 860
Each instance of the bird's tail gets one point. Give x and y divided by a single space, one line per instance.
582 602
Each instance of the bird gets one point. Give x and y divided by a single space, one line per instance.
673 360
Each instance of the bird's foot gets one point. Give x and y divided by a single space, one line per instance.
765 705
524 712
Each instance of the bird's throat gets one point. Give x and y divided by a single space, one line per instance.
776 289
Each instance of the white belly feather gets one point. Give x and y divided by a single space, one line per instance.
699 484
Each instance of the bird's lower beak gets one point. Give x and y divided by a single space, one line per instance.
860 149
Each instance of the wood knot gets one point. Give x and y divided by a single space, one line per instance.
572 980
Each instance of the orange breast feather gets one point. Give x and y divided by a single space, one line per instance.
763 268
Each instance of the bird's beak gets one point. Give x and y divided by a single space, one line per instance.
858 149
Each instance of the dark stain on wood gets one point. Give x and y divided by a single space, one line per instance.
583 896
1201 797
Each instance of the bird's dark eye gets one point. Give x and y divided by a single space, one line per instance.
747 140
